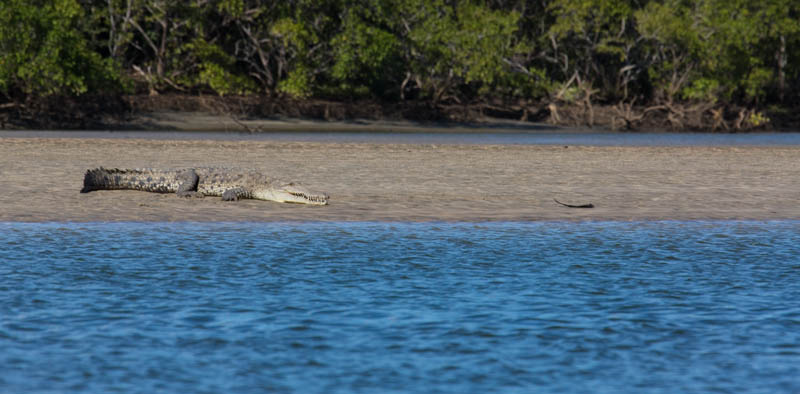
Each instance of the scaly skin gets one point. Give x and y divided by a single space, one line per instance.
230 184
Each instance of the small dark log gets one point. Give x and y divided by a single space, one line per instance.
575 206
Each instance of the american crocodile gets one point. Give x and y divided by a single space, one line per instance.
230 184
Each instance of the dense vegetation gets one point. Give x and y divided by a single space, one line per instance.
730 62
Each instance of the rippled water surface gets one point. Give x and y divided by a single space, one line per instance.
382 307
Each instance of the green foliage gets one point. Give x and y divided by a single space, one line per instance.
598 18
593 40
234 8
716 49
304 32
479 55
757 119
530 83
743 52
298 83
295 33
675 48
216 69
222 81
368 59
470 45
702 89
42 52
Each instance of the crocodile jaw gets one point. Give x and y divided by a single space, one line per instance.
291 194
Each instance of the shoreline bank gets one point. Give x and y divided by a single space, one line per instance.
261 114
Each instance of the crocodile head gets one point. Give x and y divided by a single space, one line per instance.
290 192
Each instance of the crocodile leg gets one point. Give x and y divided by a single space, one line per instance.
188 185
234 194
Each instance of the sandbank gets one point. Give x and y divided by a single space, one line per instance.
40 179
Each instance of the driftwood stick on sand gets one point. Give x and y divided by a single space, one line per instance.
575 206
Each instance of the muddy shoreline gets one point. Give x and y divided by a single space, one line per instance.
259 113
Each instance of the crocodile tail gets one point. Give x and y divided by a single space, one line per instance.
100 178
92 180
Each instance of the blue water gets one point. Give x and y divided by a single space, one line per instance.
638 307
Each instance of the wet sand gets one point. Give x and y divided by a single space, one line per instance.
40 179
